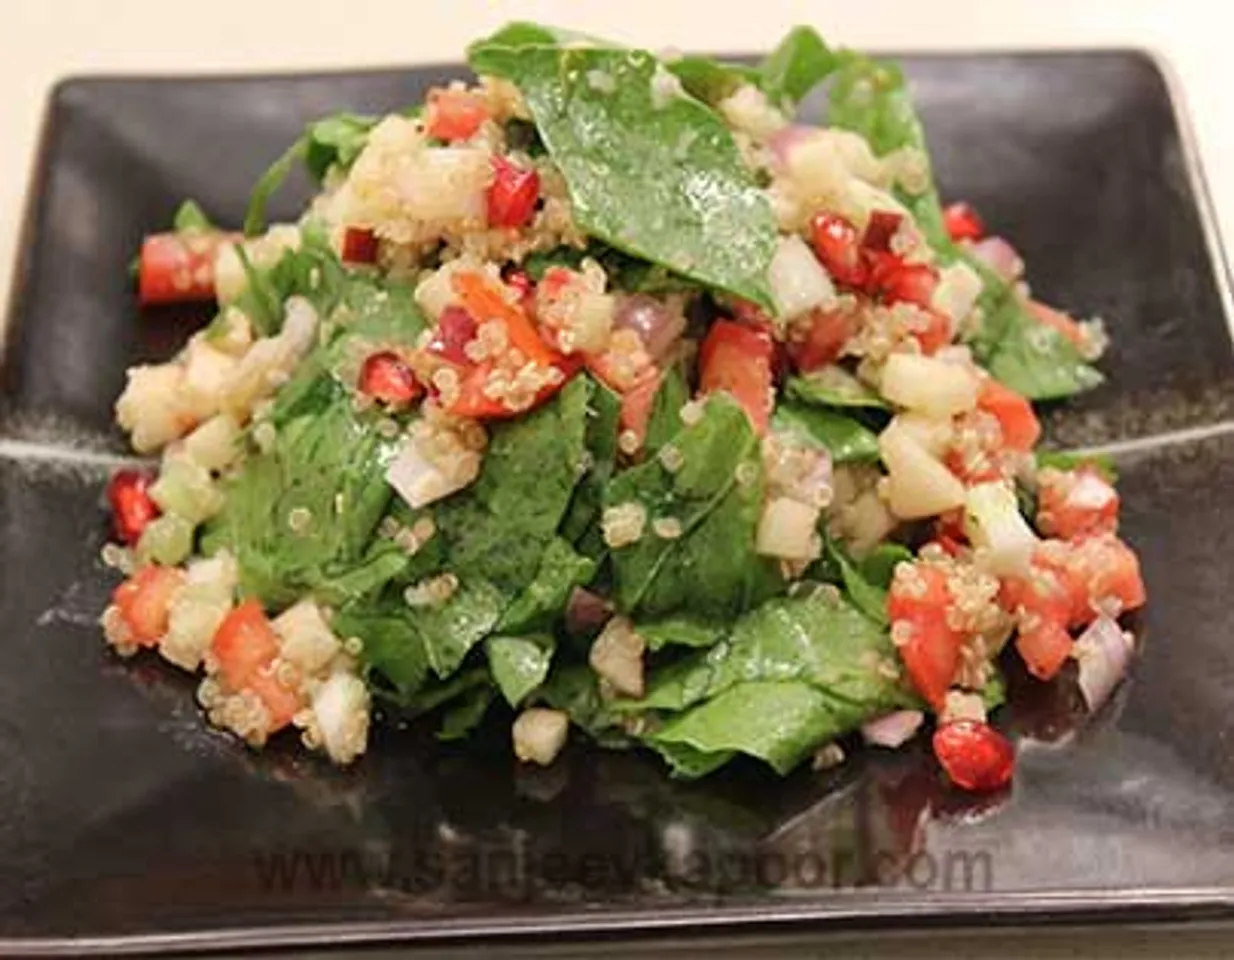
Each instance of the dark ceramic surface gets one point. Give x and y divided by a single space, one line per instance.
124 822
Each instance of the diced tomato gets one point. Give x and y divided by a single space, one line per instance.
930 648
455 329
178 267
243 645
1070 580
132 509
737 359
359 245
485 303
1045 648
974 755
935 335
144 601
896 281
1109 570
962 222
1020 426
829 331
881 227
838 247
1058 320
513 194
387 378
1076 503
454 114
472 402
282 702
636 404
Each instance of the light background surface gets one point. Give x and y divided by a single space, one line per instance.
42 41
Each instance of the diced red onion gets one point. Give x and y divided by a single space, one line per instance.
999 256
785 140
586 612
658 325
1103 652
892 729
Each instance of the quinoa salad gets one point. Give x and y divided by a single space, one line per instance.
598 398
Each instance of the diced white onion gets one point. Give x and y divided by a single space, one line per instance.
341 712
539 734
928 385
933 434
958 288
307 640
798 281
786 530
918 484
993 522
617 656
420 480
892 729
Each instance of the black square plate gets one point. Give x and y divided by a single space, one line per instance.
126 824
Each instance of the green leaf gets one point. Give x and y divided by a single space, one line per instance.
848 440
540 262
336 141
456 689
574 689
311 271
665 420
190 218
1072 460
465 714
796 66
833 387
449 630
710 80
994 693
687 763
603 421
681 631
711 568
868 597
878 566
1030 357
519 664
543 601
780 723
391 644
498 528
633 164
269 182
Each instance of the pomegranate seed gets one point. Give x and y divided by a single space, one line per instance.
974 755
881 228
513 194
131 506
386 377
835 243
455 329
899 282
359 245
522 284
962 222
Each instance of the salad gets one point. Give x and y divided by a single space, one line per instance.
600 394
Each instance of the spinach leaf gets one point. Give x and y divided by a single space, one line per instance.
1071 460
833 387
780 723
687 763
711 568
868 597
457 689
710 80
1030 357
543 601
665 419
540 262
603 421
680 631
847 440
465 714
519 664
303 514
190 218
994 693
879 565
391 644
337 139
311 271
651 173
573 688
498 528
449 630
799 63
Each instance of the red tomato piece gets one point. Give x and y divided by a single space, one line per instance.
387 378
454 114
1020 426
974 755
935 335
359 245
1058 321
962 222
178 267
829 331
880 229
243 645
1045 648
281 701
930 648
636 404
838 247
513 194
144 601
737 359
474 403
128 493
1076 503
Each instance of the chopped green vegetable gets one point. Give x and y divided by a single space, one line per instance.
833 387
878 566
190 218
465 714
796 66
1072 460
542 601
868 597
633 156
665 419
681 631
519 664
580 526
848 440
710 80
